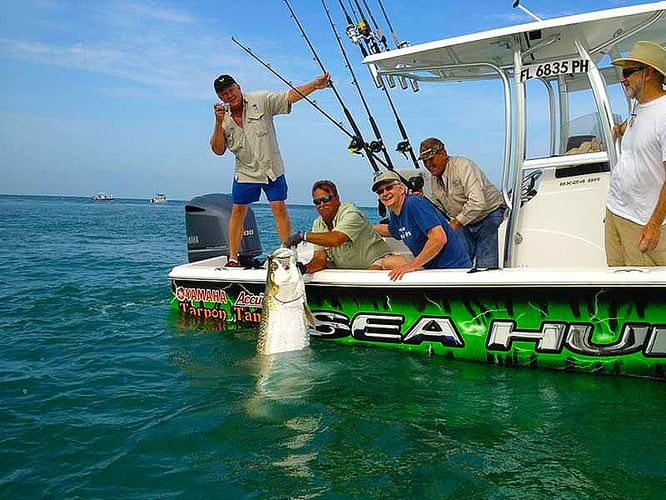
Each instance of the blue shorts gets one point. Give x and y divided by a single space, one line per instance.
244 193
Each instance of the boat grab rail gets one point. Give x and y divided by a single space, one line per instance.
558 161
619 38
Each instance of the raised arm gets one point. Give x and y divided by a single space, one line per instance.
321 82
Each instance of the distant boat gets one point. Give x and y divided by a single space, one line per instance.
103 196
159 198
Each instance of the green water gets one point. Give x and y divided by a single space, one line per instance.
105 394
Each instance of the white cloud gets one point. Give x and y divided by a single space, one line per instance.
168 15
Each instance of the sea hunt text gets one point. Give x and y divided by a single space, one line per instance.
551 338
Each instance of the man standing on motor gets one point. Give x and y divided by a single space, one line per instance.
244 125
464 193
636 203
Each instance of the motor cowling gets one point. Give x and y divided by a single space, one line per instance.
207 226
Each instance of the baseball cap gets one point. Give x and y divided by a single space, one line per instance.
430 147
222 82
384 177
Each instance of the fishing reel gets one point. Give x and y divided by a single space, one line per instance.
375 146
352 34
356 146
415 184
364 31
404 147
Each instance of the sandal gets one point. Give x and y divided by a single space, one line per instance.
232 263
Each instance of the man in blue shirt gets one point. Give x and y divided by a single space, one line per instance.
421 226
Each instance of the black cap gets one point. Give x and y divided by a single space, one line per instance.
222 82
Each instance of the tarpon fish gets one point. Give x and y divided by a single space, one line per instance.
285 315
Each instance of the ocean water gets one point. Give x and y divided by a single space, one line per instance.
105 394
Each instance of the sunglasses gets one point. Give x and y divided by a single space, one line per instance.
323 199
385 188
626 72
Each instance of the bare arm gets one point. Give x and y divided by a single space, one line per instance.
649 238
330 239
382 230
317 263
436 241
321 82
217 141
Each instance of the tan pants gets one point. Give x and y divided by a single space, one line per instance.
622 236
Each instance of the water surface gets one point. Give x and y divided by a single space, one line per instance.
104 393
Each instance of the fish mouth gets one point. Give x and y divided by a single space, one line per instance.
282 253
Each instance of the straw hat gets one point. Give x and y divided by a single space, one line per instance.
649 53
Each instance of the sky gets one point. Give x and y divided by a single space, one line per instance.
117 95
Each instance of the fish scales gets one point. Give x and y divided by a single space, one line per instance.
285 314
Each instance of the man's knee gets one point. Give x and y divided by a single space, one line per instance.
239 210
279 208
392 262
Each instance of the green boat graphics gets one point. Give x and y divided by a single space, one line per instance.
617 331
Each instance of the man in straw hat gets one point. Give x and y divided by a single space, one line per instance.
636 203
244 125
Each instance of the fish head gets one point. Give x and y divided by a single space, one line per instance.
282 269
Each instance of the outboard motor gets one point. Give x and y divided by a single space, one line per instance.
207 225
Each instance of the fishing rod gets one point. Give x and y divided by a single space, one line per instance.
398 45
363 28
378 30
382 39
357 144
351 7
355 82
369 148
353 34
404 146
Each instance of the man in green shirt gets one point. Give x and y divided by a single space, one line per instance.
342 236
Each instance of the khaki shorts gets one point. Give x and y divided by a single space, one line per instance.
621 241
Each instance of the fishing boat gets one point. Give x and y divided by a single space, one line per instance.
103 196
554 303
159 198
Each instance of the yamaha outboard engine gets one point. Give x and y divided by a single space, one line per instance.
207 226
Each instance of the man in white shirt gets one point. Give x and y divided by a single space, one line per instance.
636 203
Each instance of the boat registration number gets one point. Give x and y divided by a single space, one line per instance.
545 70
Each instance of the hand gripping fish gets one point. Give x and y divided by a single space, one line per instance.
285 315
